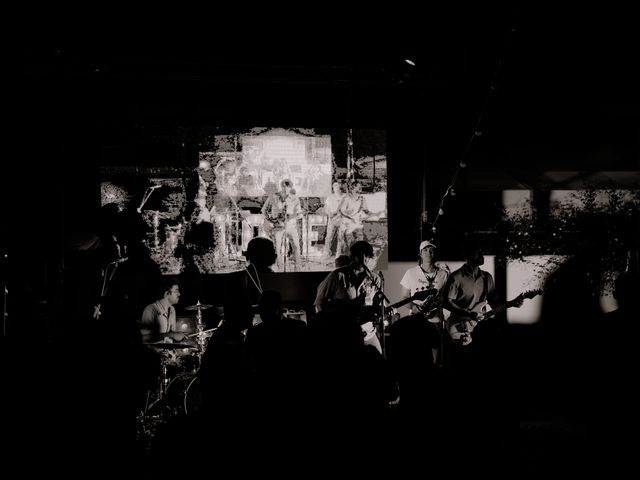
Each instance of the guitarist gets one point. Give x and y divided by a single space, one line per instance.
353 283
281 211
469 288
424 276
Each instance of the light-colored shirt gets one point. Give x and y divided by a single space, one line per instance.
416 279
157 321
466 290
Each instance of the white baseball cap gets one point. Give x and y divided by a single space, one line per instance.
425 244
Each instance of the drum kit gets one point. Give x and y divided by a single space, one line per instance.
177 392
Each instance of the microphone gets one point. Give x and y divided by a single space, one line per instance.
372 277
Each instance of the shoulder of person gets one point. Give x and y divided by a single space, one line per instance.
444 267
346 270
486 274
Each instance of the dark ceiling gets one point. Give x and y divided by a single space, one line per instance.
556 90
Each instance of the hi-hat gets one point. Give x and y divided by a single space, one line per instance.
198 306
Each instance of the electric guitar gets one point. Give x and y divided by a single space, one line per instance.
461 326
428 296
430 307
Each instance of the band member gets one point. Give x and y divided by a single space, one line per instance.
468 293
245 184
469 287
159 318
426 275
421 332
353 210
332 208
281 211
339 262
478 369
226 174
353 282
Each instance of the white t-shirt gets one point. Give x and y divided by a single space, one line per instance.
416 279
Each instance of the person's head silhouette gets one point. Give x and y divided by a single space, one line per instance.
261 253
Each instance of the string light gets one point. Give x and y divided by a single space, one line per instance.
476 132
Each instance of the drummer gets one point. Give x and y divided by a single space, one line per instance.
158 322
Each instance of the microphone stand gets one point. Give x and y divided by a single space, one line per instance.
382 314
306 227
147 193
106 279
379 286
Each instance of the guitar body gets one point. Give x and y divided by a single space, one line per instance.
271 224
461 327
431 309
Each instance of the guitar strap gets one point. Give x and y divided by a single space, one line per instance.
430 280
485 289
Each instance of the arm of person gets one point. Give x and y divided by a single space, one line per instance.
364 208
297 210
406 293
265 207
323 293
492 296
173 333
332 206
147 323
450 304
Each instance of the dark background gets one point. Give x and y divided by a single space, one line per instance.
85 89
547 90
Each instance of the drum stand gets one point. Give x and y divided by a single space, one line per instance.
163 383
201 334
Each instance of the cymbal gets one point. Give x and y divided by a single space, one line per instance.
169 346
198 306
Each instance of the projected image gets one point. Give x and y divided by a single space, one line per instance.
312 192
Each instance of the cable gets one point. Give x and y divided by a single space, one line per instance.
257 284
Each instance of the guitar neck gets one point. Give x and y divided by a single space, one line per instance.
404 301
401 302
500 308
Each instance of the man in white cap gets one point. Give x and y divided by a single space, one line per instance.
424 276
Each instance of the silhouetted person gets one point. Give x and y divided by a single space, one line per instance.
619 359
261 255
353 283
477 370
278 349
